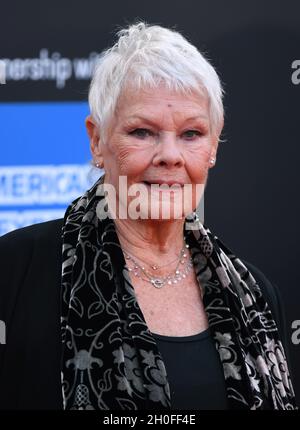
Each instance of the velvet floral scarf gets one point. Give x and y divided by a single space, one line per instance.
110 358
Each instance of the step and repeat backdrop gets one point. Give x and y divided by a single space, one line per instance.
47 54
45 159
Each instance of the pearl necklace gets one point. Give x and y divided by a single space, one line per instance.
173 277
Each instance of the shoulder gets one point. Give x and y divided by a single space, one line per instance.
273 297
30 257
29 248
50 230
269 290
38 240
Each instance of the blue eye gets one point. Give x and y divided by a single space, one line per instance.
195 132
141 132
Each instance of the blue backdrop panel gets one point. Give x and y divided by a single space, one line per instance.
44 160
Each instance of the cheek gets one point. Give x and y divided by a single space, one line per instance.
116 156
128 159
131 163
197 166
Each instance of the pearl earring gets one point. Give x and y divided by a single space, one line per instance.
212 160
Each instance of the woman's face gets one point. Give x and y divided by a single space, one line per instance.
155 137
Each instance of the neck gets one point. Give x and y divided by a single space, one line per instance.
152 239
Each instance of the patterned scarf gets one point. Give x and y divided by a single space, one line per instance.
110 358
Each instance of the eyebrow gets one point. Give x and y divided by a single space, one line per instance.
151 121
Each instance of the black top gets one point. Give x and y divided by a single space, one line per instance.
30 285
194 371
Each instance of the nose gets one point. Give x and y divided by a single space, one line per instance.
168 153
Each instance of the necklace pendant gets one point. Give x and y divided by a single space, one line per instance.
157 283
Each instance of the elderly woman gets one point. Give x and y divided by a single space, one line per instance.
124 305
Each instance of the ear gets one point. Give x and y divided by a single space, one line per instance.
215 144
213 151
95 142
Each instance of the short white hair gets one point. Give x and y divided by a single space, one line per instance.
145 56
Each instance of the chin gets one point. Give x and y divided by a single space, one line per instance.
163 214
